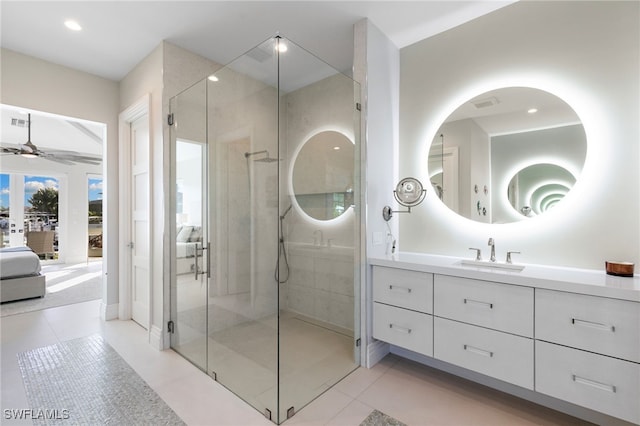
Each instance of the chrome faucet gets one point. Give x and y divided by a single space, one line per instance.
492 244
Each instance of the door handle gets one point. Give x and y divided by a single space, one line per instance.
208 260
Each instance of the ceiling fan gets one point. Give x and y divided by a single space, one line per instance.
30 150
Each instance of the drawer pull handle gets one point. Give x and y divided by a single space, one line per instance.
400 329
478 351
478 302
593 383
592 324
397 287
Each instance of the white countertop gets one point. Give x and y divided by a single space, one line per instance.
583 281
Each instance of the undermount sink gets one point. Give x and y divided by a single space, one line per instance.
494 265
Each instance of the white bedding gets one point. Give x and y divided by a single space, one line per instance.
186 249
18 263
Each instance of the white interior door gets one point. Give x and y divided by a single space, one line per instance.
140 223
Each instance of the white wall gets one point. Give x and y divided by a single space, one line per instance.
379 74
146 79
166 71
587 53
43 86
376 67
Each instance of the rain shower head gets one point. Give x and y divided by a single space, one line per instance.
267 159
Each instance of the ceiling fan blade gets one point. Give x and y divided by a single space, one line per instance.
58 160
8 150
30 150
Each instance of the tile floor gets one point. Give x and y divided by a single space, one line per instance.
412 393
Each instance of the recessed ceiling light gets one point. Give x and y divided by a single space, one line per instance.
337 148
213 78
72 25
532 110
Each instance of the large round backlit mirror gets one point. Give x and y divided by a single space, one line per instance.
322 177
474 153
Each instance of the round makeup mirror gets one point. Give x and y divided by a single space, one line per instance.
474 153
322 176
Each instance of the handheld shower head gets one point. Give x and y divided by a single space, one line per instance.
286 211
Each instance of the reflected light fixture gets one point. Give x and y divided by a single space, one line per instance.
409 193
212 77
72 25
281 46
532 110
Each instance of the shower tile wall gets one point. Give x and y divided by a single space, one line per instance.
321 282
321 287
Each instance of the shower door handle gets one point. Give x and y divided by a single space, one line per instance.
207 248
208 260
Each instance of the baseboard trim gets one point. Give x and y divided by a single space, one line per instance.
109 312
376 350
155 338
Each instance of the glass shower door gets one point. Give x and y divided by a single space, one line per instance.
267 170
243 296
189 278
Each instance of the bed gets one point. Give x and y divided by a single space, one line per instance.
188 244
20 276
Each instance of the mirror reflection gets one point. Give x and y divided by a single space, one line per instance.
323 175
478 154
538 188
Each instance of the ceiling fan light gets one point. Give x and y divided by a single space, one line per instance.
26 154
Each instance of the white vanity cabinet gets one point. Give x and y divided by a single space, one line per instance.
571 335
588 351
596 324
402 307
502 307
485 327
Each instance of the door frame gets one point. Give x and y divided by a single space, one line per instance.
135 111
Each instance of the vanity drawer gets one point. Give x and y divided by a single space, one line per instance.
502 307
401 327
406 289
493 353
598 382
596 324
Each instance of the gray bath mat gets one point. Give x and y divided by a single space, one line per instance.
377 418
84 381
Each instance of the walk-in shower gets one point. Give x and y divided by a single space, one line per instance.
286 123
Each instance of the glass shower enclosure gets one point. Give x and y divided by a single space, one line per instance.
265 227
